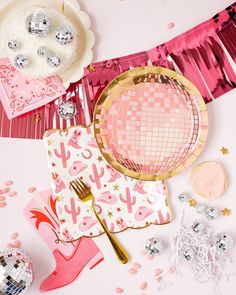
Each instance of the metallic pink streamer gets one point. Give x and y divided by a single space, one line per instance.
200 55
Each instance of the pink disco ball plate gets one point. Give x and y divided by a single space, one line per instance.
150 123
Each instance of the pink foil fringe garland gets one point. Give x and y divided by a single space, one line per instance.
200 54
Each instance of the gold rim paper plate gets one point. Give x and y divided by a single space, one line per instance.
124 82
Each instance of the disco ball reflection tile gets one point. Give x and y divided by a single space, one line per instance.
16 272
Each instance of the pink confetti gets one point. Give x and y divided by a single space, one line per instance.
4 190
119 290
137 265
171 269
143 286
17 244
170 25
2 198
132 271
32 189
12 194
3 204
8 183
14 236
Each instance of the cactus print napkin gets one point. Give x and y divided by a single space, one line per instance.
121 202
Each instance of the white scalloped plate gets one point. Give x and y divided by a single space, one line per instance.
79 19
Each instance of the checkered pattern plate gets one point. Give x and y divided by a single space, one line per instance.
150 123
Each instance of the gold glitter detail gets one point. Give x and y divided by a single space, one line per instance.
91 68
37 118
100 159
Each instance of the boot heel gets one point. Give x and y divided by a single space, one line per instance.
95 260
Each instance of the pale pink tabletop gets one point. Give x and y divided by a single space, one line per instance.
123 27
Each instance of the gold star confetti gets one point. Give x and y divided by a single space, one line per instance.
37 118
192 203
224 151
50 142
226 212
100 159
116 187
91 68
110 214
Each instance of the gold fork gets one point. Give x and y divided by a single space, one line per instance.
85 195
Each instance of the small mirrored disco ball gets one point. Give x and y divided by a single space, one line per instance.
38 24
13 45
198 227
154 246
223 242
21 61
212 213
64 35
42 51
67 110
189 254
16 272
53 60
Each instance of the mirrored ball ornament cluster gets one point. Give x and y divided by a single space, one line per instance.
21 61
154 246
38 24
64 35
16 272
210 213
67 110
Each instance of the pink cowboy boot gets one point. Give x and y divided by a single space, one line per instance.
71 258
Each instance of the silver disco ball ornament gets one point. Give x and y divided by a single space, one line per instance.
223 242
42 51
64 35
67 110
198 227
183 198
13 45
189 254
16 272
212 213
38 24
53 60
154 246
21 61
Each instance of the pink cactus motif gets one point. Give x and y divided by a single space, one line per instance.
142 213
129 201
63 155
58 182
138 187
87 223
107 198
77 168
114 174
74 139
73 210
96 176
121 223
162 219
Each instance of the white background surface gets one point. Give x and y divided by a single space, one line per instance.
124 27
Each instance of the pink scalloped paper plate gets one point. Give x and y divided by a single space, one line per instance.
79 19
